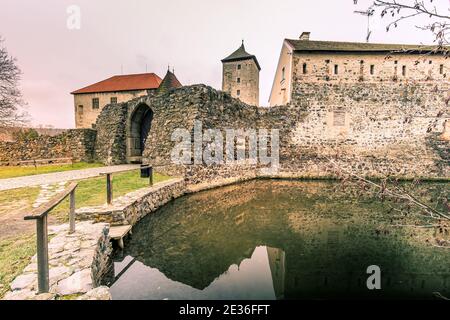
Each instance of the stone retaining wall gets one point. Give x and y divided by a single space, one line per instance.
133 206
77 143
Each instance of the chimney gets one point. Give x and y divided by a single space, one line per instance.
305 36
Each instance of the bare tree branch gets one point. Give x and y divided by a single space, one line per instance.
10 96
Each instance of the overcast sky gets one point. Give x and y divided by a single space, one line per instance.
190 35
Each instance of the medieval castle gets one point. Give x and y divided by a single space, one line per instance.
376 109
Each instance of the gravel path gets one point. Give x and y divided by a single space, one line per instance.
57 177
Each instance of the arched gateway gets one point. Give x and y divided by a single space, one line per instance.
138 128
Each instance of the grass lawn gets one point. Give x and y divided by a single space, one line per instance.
17 199
92 192
16 252
12 172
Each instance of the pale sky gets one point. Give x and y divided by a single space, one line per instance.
190 35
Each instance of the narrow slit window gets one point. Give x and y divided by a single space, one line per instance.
305 68
441 69
336 69
283 73
238 92
404 70
372 69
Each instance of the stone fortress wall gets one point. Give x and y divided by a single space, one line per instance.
306 149
73 143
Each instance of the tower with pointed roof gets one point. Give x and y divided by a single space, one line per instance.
240 76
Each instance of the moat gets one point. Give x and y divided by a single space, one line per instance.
276 239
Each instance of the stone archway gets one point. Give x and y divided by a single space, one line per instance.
138 128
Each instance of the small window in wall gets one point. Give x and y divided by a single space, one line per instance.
238 80
238 92
404 70
372 69
441 69
80 109
395 62
113 100
336 69
430 62
339 118
283 74
239 67
305 68
95 103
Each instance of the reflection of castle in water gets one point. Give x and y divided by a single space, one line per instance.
261 276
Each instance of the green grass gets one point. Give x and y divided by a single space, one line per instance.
17 199
12 172
15 255
92 192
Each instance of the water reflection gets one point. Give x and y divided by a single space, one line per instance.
259 277
278 240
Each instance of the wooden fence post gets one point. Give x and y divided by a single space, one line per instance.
109 188
72 212
42 253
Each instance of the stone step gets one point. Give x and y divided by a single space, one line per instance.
118 233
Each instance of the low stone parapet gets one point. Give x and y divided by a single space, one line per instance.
133 206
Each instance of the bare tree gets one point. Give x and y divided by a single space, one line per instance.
10 96
396 11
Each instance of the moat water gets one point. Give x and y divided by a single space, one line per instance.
272 239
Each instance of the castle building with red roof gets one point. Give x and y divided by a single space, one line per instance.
90 100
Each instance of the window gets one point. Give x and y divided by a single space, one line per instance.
372 69
80 109
238 80
430 62
339 118
113 100
305 68
283 74
95 103
404 70
336 69
239 67
441 69
239 92
395 62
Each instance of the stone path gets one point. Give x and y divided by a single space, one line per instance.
57 177
48 192
76 263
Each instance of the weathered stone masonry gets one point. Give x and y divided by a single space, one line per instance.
378 142
78 144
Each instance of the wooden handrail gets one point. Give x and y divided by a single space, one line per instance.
42 210
109 180
125 170
40 215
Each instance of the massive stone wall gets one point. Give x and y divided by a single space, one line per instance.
310 145
111 134
76 143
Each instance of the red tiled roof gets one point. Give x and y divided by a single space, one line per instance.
143 81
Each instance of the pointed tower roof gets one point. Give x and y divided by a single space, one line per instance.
241 54
170 81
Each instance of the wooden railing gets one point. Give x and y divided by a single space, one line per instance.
109 180
40 215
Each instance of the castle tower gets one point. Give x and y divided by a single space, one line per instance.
241 76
